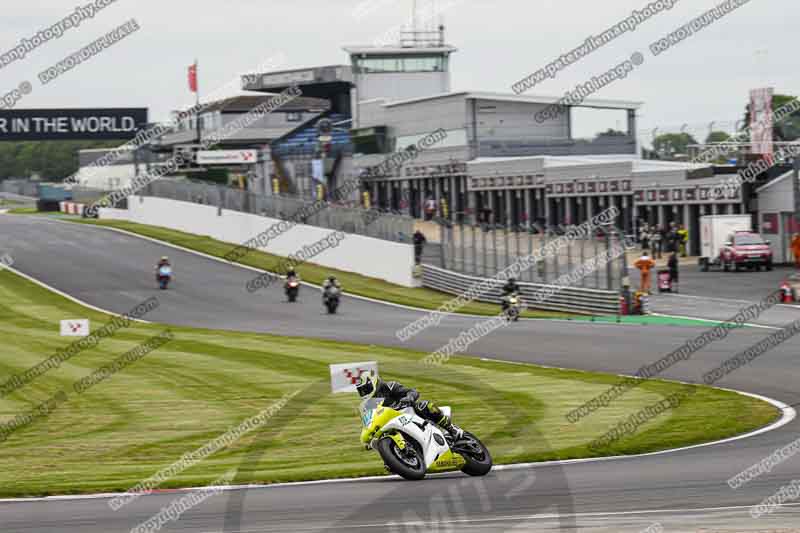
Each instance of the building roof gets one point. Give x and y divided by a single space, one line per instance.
639 164
300 69
531 99
779 179
395 50
244 103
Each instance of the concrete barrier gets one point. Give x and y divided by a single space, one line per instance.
375 258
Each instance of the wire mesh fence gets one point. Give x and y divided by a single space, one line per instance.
487 250
379 224
19 187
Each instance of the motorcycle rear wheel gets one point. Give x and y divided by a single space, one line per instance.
408 463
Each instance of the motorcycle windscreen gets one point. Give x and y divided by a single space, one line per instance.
165 271
368 408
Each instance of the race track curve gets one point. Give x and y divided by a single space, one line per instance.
684 490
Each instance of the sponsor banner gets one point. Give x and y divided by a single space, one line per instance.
345 376
78 327
226 157
71 124
71 208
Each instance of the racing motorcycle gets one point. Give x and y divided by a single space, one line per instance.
292 289
411 446
330 298
164 276
512 306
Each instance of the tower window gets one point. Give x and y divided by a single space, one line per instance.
401 64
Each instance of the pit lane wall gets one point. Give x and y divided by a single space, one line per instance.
375 258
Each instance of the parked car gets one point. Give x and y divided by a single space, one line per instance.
745 249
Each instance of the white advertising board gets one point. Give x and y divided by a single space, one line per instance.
226 157
344 376
78 327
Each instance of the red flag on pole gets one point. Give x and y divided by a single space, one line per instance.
193 78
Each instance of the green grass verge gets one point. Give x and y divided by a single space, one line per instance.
353 283
23 211
203 383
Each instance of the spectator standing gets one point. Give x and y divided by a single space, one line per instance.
644 237
672 265
655 242
672 238
683 239
796 250
419 243
645 264
430 208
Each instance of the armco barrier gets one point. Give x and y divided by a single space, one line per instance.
570 299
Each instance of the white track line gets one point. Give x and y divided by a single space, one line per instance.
721 300
434 525
762 326
69 297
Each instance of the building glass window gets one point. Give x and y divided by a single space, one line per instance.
401 64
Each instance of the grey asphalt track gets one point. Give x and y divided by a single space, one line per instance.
684 491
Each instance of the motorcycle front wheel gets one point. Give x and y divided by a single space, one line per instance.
407 463
477 456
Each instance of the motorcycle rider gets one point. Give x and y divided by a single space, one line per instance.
397 396
509 288
291 275
164 261
330 282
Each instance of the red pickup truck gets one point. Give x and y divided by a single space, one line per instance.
745 249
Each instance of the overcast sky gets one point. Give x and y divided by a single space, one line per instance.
705 78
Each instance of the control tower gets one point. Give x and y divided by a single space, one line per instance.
417 65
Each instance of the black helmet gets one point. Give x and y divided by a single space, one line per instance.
367 385
331 278
512 280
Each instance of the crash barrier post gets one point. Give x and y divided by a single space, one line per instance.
569 299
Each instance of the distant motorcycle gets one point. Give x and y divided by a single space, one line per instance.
164 276
512 306
330 298
292 289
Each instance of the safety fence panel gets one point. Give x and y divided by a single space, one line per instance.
553 297
371 223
